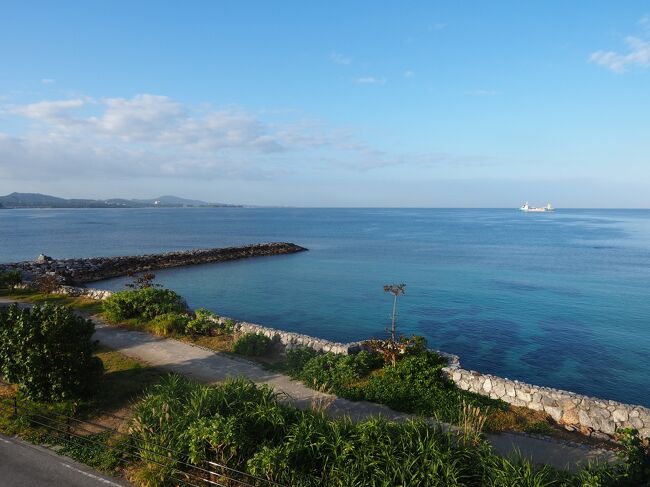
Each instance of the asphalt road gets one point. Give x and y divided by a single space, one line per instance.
23 464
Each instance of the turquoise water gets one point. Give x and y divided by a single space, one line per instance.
554 299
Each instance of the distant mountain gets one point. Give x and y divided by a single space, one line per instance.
37 200
168 200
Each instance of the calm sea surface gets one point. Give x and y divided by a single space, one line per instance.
559 299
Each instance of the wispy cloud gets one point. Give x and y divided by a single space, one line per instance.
153 136
435 26
338 58
637 53
47 81
408 73
369 80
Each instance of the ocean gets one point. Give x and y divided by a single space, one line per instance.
555 299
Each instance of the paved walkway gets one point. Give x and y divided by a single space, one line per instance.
208 366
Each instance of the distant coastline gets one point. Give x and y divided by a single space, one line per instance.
38 200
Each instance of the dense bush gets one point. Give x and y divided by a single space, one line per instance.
252 345
48 351
414 384
168 324
340 374
244 427
297 358
9 279
205 321
145 303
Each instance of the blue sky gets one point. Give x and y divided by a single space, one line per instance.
329 104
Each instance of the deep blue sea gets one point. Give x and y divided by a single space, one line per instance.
560 299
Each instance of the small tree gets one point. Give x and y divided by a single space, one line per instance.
396 290
142 281
10 279
48 351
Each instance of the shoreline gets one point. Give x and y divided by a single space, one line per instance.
595 417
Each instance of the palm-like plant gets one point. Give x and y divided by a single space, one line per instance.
396 290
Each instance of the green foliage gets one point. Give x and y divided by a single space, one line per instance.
99 450
204 322
340 374
168 324
252 345
243 426
10 279
146 303
297 358
48 351
415 384
635 456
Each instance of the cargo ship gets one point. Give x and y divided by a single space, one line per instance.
536 209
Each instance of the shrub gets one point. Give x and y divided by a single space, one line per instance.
252 345
145 303
297 359
10 279
168 324
393 350
340 374
416 385
204 322
47 284
48 351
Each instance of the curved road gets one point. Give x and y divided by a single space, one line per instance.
24 464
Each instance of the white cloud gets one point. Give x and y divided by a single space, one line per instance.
408 73
47 81
152 136
369 80
637 54
337 58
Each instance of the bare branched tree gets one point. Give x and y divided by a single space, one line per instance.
396 290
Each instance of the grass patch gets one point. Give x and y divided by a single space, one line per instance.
219 342
84 305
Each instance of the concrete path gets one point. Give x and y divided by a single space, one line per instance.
24 464
208 366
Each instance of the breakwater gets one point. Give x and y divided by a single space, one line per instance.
80 271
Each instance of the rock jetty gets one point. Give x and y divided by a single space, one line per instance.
80 271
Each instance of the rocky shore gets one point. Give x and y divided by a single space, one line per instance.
81 271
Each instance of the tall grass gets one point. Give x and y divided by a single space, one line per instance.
244 426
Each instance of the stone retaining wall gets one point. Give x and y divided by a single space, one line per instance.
592 416
79 271
289 340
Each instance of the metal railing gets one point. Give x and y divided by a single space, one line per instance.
78 432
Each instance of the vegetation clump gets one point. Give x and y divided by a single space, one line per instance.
252 345
145 304
10 279
244 427
48 351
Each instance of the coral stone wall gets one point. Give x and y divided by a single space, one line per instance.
595 417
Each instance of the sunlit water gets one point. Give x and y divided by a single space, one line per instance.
554 299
